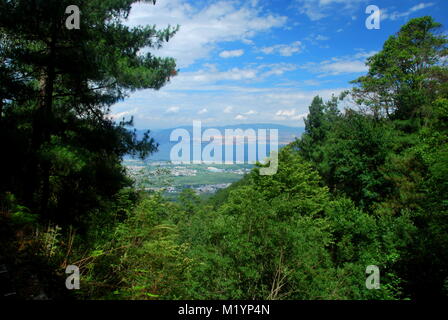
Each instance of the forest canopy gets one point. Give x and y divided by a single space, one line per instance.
365 185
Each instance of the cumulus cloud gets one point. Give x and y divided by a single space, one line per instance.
395 15
221 92
228 109
320 37
172 110
290 114
319 9
248 42
121 115
250 112
203 28
276 69
340 65
316 39
231 53
236 101
283 49
286 113
209 75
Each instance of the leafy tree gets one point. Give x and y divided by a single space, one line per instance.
152 264
354 153
318 124
423 190
56 88
406 75
281 237
74 76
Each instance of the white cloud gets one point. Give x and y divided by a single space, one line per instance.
210 75
286 113
283 49
222 93
276 69
319 9
363 54
228 109
121 115
397 15
237 100
320 37
316 39
420 6
300 116
202 29
340 65
231 53
290 114
248 42
172 110
250 112
234 74
312 82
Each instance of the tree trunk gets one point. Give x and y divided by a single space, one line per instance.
1 112
42 123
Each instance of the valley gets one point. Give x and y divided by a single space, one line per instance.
171 178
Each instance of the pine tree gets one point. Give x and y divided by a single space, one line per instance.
73 76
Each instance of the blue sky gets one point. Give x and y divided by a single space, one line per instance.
261 61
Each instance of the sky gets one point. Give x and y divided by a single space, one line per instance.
261 61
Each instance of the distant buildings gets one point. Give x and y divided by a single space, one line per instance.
173 178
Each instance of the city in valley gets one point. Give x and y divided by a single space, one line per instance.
171 178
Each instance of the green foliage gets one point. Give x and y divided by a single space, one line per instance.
317 126
189 200
148 262
355 150
281 237
361 187
63 150
389 157
406 75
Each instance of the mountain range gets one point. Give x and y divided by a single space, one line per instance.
286 135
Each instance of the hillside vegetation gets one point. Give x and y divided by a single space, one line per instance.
364 186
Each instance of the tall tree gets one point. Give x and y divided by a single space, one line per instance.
406 75
75 76
322 116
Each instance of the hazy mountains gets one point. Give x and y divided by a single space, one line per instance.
285 135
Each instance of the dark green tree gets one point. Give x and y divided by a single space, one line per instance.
74 77
407 74
322 116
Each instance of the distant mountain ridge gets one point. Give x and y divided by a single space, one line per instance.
286 135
